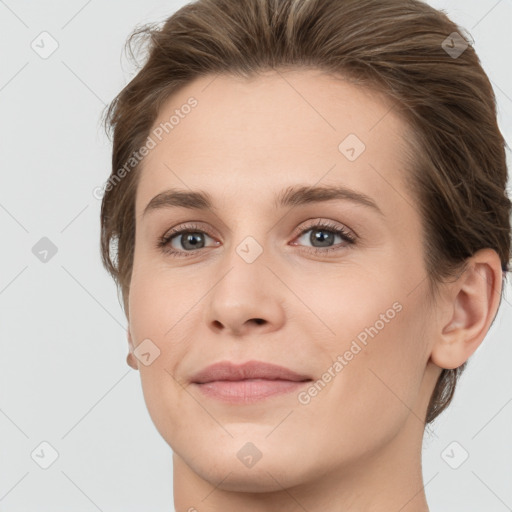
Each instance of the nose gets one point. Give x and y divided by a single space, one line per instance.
246 299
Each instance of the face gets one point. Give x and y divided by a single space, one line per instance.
308 257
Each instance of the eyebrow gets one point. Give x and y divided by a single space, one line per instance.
291 196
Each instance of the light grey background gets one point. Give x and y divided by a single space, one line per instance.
63 375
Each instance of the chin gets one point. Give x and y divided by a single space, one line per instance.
229 474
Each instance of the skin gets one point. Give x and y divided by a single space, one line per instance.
357 444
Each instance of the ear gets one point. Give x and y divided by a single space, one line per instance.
469 306
131 360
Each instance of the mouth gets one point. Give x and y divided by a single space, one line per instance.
250 382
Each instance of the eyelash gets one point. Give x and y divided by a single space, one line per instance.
163 242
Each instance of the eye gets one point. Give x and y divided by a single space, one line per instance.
324 233
188 239
185 240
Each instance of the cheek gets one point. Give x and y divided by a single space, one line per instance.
155 312
352 305
384 364
158 299
380 344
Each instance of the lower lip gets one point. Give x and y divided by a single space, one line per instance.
248 391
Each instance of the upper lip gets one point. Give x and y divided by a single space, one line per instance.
226 370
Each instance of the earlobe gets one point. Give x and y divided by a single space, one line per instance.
131 360
473 301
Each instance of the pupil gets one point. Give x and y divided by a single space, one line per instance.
321 237
190 238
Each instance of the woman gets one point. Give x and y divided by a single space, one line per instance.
308 223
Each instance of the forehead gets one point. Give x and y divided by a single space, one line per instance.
271 131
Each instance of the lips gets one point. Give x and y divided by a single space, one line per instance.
251 382
227 371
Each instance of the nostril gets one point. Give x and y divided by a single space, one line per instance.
259 321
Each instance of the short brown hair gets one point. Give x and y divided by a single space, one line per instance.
397 47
